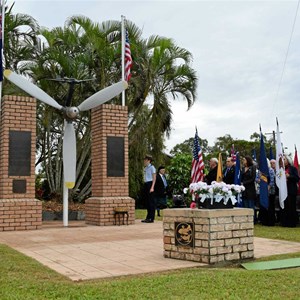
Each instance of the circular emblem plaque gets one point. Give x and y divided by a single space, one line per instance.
184 234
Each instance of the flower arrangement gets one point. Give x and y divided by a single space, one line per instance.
216 192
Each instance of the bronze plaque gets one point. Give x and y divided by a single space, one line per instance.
19 186
184 234
115 156
19 162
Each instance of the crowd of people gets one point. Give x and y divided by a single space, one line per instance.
155 189
287 216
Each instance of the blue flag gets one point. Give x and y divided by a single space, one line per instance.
263 175
237 176
237 170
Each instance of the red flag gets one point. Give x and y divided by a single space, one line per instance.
128 58
296 162
296 165
233 155
197 163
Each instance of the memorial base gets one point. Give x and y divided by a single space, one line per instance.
100 211
208 235
20 214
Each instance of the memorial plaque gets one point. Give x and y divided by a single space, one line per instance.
19 153
184 234
19 186
115 156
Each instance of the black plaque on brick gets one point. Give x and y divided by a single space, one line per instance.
19 153
184 234
115 156
19 186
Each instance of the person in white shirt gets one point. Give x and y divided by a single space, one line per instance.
148 189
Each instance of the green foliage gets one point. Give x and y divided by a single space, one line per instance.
179 172
187 146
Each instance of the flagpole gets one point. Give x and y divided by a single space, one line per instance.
123 54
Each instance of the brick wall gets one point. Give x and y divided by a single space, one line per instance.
108 192
17 214
17 114
18 210
219 234
108 121
100 211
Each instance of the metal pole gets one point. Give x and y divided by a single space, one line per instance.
123 55
65 205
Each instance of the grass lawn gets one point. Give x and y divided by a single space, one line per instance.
24 278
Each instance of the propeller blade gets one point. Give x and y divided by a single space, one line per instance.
69 155
31 88
103 96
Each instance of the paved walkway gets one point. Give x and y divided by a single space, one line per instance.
83 252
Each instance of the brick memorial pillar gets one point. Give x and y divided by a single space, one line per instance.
208 235
19 210
110 182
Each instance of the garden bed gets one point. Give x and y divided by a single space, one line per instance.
53 210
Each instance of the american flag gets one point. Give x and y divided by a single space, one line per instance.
197 163
128 59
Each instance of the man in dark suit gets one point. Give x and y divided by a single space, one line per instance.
160 189
228 172
213 169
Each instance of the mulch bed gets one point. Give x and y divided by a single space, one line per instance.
58 206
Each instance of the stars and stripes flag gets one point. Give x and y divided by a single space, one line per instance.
128 58
197 163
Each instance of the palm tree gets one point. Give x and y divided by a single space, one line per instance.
20 39
161 73
86 50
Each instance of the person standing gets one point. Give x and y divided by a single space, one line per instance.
160 190
289 215
228 172
248 176
148 189
213 169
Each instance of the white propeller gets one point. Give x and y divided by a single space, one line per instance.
30 88
103 96
69 141
69 155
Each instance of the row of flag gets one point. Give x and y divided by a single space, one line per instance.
198 168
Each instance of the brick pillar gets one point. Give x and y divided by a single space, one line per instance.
19 210
110 183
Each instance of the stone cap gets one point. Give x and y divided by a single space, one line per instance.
202 213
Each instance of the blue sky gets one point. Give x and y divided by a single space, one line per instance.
239 49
